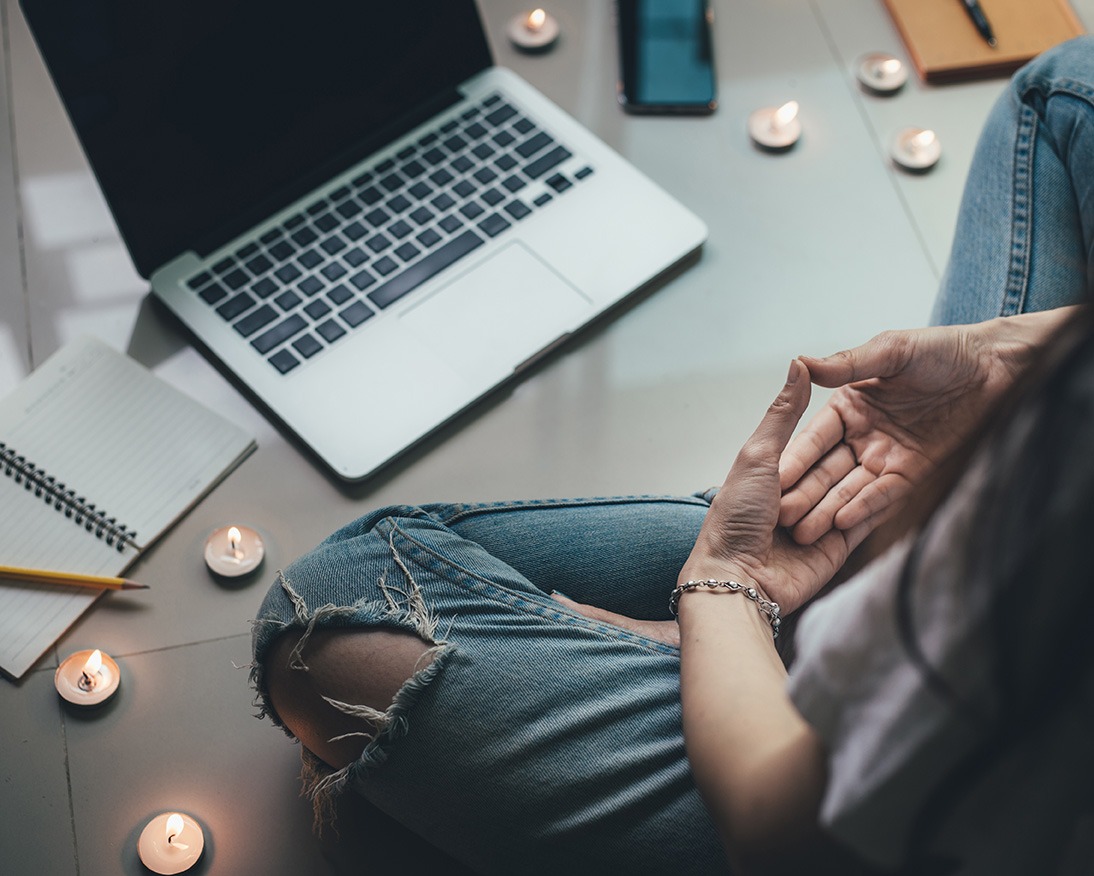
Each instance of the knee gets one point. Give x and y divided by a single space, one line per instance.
1063 66
361 671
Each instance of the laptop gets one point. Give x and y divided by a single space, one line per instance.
348 205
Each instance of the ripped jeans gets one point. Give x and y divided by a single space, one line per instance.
536 740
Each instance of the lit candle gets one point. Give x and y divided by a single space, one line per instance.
87 678
232 551
881 73
533 31
775 128
171 843
916 149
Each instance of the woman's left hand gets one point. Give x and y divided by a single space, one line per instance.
660 631
741 539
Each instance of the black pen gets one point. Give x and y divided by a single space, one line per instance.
976 13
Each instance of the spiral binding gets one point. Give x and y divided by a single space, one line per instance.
52 492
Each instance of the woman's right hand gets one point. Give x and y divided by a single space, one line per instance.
904 400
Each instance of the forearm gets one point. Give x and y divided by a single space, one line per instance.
760 767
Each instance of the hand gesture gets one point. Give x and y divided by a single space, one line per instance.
905 400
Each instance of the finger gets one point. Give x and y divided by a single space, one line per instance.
593 612
821 519
875 498
816 483
775 429
882 356
822 433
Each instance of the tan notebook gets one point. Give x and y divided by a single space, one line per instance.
945 45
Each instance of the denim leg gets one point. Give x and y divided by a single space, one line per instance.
537 739
1026 224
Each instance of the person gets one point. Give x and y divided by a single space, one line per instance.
508 681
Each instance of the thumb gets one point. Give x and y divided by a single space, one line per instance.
881 356
775 429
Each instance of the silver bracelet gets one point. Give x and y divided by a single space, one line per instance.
768 609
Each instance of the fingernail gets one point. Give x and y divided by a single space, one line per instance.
792 377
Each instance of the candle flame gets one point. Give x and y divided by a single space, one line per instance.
784 115
174 828
923 139
234 538
536 19
888 67
94 663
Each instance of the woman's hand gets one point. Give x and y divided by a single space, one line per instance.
905 400
660 631
741 538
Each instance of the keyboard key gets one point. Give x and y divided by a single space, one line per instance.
407 251
223 266
359 181
491 99
316 309
371 195
503 138
287 273
494 224
421 216
378 243
252 322
462 164
349 209
307 346
502 114
340 294
584 172
310 285
199 280
450 224
433 156
441 177
333 244
233 307
212 294
425 269
413 169
264 288
317 208
483 151
326 222
282 250
385 165
398 204
523 125
330 330
505 162
280 333
475 131
464 188
428 238
236 279
385 266
405 153
442 202
536 144
472 210
309 258
333 271
399 229
485 175
246 251
287 300
428 140
259 265
559 183
271 235
492 197
517 209
356 313
545 162
377 217
543 199
294 221
362 280
355 257
514 183
455 143
340 194
284 361
420 191
393 182
354 231
304 236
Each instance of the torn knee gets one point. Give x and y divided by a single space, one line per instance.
336 698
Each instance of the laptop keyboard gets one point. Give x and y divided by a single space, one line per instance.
332 266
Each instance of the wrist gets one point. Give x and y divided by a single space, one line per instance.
763 607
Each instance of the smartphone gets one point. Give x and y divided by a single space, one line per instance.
666 56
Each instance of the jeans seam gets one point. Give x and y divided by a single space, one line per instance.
496 593
1014 295
466 511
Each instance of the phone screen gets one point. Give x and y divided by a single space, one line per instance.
666 56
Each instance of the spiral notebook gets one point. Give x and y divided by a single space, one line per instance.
99 457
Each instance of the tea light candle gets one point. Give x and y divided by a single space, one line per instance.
916 149
87 678
775 128
881 73
171 843
533 31
232 551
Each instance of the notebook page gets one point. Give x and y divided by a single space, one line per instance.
124 441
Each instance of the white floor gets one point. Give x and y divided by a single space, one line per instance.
809 252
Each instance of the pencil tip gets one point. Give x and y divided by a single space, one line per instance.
133 585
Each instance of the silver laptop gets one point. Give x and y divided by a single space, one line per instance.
348 205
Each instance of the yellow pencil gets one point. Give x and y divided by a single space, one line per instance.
71 579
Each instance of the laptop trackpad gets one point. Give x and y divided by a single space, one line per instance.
498 314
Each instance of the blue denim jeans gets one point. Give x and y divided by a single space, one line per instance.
541 741
1025 232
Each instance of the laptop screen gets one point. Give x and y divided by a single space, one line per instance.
202 117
